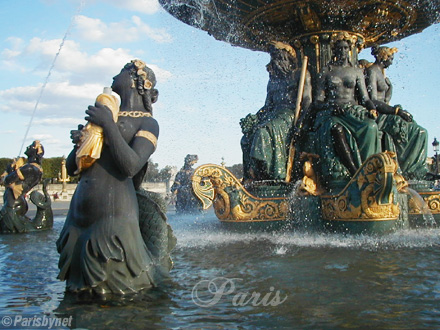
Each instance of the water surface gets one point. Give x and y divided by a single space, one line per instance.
308 281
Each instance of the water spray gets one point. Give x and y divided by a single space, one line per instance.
79 10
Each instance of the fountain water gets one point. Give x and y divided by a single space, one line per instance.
46 80
421 205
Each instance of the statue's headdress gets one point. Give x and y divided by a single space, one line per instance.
286 47
383 52
38 147
191 158
143 77
343 36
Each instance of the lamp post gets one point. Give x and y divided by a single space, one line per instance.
435 145
64 177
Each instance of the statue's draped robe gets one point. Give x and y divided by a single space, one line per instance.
360 130
270 144
409 141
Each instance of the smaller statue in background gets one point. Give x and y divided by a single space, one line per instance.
19 178
186 201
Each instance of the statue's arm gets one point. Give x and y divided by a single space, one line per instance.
130 159
71 166
362 91
384 107
13 177
389 91
307 93
372 84
319 99
372 78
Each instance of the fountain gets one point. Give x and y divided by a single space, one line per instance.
333 145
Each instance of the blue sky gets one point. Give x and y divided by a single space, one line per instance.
205 86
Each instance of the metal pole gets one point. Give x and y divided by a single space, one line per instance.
436 160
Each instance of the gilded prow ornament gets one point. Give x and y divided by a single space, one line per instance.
217 186
371 195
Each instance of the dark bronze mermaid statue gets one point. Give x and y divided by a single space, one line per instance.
111 243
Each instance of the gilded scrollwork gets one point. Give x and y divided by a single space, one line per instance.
370 195
215 185
431 199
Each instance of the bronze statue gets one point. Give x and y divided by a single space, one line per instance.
265 145
248 126
345 121
19 178
105 246
401 133
186 201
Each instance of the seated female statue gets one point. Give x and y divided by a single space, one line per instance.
401 133
101 247
345 120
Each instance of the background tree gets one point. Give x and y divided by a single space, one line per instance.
152 172
237 170
165 173
52 167
4 162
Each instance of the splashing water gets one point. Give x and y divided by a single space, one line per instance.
72 21
207 232
422 206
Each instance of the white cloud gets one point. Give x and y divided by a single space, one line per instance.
10 131
15 42
15 45
73 64
162 75
59 122
8 55
48 139
75 81
61 102
58 99
42 136
95 30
